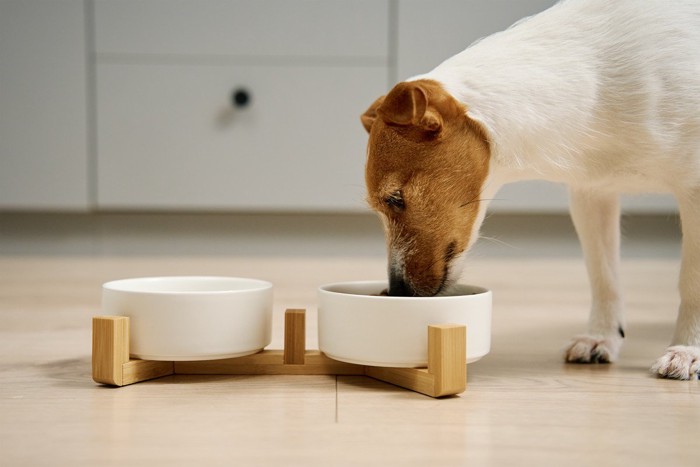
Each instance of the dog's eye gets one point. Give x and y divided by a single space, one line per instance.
395 201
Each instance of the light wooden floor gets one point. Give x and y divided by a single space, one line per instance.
523 406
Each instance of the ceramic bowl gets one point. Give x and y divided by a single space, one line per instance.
192 317
356 325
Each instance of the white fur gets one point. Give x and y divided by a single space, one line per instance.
603 95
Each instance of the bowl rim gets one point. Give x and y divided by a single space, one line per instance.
480 291
120 285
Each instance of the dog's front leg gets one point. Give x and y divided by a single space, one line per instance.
682 359
596 217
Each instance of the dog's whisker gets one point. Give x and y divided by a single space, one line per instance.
476 198
479 200
498 241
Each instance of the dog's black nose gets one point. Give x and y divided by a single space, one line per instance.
399 287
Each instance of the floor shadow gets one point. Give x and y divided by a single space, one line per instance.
73 373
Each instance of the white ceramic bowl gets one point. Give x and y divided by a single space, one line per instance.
357 326
192 317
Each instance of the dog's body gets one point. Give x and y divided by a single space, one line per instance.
601 95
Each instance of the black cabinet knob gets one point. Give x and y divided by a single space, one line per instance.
240 98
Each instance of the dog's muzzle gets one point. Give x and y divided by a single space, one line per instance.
398 287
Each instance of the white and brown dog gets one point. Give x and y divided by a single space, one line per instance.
601 95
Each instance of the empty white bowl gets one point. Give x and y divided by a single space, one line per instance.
355 325
192 317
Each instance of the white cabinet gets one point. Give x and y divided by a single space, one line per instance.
430 32
169 136
43 105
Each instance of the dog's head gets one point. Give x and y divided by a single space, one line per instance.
427 163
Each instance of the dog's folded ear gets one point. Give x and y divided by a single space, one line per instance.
370 115
408 104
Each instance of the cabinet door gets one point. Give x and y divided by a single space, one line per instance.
170 138
43 136
243 29
430 32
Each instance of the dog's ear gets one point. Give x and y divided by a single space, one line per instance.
370 115
408 104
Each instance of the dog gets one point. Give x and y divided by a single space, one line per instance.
601 95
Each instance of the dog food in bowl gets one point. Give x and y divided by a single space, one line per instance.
358 325
192 317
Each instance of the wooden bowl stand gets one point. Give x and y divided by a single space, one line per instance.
445 375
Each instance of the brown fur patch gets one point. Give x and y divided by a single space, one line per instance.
426 166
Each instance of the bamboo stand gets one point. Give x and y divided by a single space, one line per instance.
446 373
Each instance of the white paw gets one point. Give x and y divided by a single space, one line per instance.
679 362
592 349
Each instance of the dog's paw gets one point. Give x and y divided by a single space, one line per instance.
592 349
679 362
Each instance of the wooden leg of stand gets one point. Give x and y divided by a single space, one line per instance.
447 365
447 358
294 337
110 355
110 348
